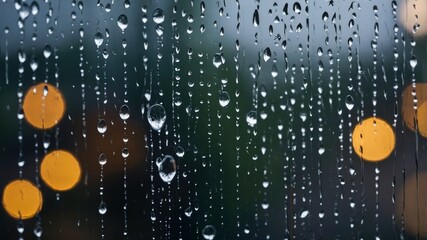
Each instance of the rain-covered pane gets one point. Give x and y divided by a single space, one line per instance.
213 119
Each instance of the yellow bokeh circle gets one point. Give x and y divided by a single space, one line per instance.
373 139
22 199
43 106
60 170
408 111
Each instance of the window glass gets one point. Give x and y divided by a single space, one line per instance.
213 119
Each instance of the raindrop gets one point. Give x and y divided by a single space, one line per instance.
98 39
167 168
255 19
179 151
124 112
349 102
251 118
224 98
102 159
20 226
218 60
156 115
47 51
122 22
158 16
267 54
188 212
297 8
102 209
209 232
304 213
102 126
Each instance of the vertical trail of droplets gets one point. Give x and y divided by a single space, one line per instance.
176 103
102 124
349 104
413 62
6 55
21 57
237 121
374 46
122 22
223 100
83 86
320 115
396 108
252 116
149 136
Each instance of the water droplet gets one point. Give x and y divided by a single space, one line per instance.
122 22
125 152
188 211
349 102
20 226
102 159
47 51
102 126
218 60
99 39
179 151
209 232
167 168
156 116
251 118
158 16
267 54
102 209
124 112
304 213
224 98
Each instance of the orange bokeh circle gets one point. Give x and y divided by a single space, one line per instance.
22 199
43 106
373 139
60 170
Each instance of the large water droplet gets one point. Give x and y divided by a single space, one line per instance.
102 159
102 209
224 98
124 112
98 39
156 116
349 102
251 118
158 16
122 22
218 60
209 232
167 168
102 126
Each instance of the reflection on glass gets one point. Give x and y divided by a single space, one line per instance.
43 106
22 199
373 139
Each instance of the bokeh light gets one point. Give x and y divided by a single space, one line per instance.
412 15
408 110
22 199
373 139
411 203
43 106
60 170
